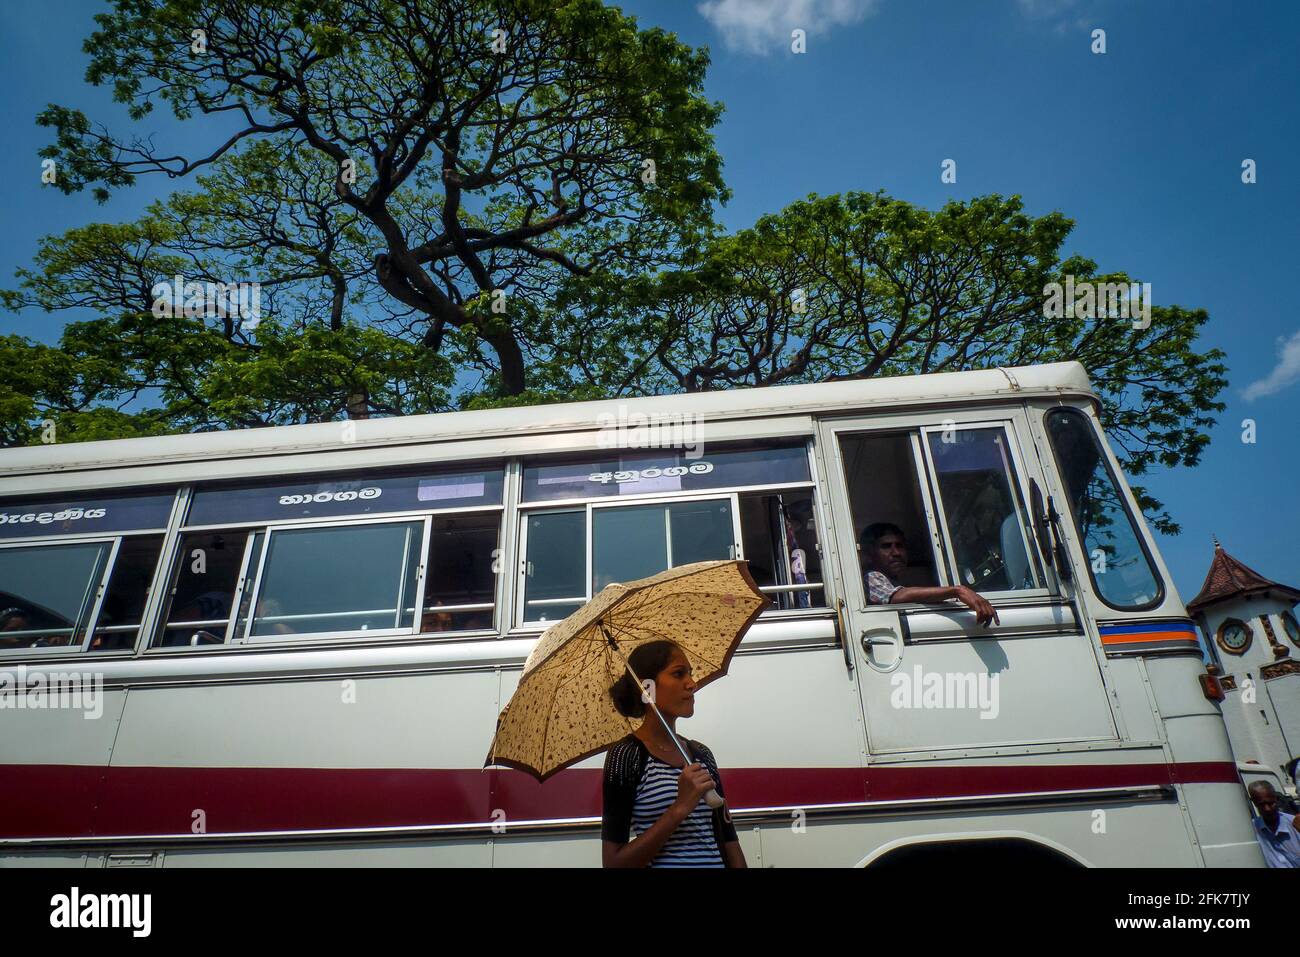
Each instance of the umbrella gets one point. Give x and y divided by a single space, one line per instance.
561 711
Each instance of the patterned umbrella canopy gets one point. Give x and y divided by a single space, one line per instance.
562 712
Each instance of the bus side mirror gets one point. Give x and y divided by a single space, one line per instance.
1038 512
1047 532
1063 568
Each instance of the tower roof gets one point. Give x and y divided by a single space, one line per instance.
1229 578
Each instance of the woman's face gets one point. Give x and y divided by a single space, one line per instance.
675 688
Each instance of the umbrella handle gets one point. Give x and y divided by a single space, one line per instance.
714 799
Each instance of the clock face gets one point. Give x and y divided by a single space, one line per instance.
1292 627
1234 636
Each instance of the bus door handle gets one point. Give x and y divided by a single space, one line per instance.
873 638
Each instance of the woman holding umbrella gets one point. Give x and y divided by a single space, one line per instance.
650 788
581 691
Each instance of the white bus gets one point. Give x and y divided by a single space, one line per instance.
292 644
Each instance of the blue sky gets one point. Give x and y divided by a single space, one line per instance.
1141 146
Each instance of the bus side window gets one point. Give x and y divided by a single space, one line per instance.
981 506
207 574
460 573
884 495
1117 559
779 532
340 578
47 592
555 565
128 591
629 542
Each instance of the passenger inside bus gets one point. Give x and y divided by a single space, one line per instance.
780 535
211 605
17 625
14 620
884 557
435 620
269 610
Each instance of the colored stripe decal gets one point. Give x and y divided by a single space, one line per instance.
1149 637
81 801
1155 633
1148 626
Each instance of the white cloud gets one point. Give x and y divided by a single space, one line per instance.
1285 373
760 26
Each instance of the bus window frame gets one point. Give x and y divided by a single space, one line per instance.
1136 522
248 638
588 508
1020 492
99 583
938 552
236 635
520 622
521 575
775 613
175 567
731 498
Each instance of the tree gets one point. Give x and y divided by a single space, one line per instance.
486 149
862 285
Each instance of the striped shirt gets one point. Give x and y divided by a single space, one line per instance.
637 790
692 844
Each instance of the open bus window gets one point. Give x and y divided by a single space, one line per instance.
981 508
122 610
207 575
884 488
460 575
779 531
337 579
1116 558
47 593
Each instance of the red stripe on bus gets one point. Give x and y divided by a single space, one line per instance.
81 801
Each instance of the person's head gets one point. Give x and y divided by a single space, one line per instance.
1264 798
800 511
435 620
664 663
883 548
13 619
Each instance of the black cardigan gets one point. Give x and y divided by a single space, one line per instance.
625 762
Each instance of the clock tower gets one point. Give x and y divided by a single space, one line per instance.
1250 628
